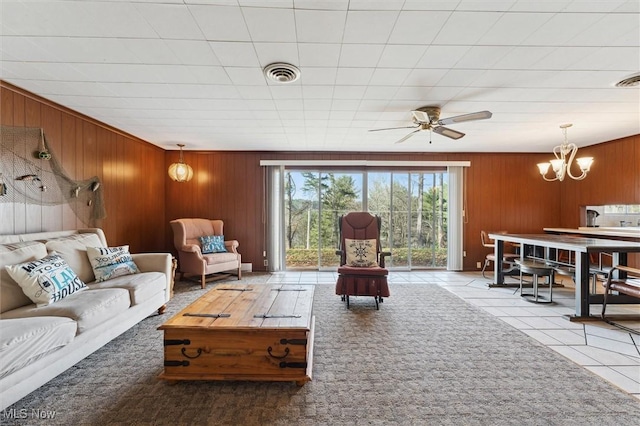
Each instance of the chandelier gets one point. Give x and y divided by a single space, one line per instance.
180 172
565 153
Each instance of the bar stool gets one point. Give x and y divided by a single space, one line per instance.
536 270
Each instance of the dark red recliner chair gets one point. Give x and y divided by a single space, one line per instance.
362 271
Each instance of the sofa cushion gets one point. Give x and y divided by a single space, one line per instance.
73 249
141 287
46 280
215 258
88 308
212 244
360 253
11 293
111 262
24 340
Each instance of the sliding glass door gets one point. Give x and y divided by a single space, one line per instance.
412 207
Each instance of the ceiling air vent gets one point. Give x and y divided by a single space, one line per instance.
281 72
632 80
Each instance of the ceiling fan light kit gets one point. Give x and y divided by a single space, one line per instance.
428 118
561 165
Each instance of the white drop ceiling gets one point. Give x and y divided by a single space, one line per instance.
190 71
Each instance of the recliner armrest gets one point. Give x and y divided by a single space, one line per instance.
384 254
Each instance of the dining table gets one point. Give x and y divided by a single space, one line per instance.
580 247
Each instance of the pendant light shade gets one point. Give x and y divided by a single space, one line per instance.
180 172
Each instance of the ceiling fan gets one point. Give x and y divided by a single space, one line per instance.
428 118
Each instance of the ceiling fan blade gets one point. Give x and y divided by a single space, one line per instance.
450 133
408 136
394 128
481 115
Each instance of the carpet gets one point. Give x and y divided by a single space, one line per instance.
425 358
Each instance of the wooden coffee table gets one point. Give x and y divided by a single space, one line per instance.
242 332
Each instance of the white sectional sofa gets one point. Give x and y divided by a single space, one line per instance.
38 343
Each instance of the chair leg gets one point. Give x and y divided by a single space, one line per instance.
239 272
486 263
204 283
604 301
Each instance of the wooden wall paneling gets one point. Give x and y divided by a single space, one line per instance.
117 209
30 218
52 126
67 161
7 113
78 159
103 143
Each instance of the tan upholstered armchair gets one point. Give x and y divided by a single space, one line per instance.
191 260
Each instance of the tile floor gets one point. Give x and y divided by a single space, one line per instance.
603 349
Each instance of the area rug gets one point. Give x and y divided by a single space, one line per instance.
425 358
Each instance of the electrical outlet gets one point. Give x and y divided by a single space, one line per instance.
266 262
464 253
478 265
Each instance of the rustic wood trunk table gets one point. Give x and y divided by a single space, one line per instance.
242 332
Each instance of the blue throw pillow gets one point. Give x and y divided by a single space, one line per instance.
212 244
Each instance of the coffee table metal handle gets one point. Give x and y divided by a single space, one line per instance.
184 352
286 353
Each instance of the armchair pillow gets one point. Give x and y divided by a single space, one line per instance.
46 280
111 262
360 252
212 244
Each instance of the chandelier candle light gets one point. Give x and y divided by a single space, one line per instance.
561 166
180 172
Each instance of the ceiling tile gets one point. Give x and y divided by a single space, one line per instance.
514 28
270 24
319 76
289 91
322 4
276 52
420 28
442 56
220 23
360 55
349 92
254 92
466 27
318 55
347 76
192 52
389 76
246 76
234 54
401 56
320 26
562 28
170 21
369 27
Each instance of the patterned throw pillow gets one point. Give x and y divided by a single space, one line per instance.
212 244
360 252
111 262
46 280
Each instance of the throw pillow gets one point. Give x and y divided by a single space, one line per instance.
212 244
361 252
46 280
111 262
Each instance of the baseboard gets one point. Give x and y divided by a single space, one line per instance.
246 267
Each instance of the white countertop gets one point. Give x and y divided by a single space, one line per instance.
605 231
